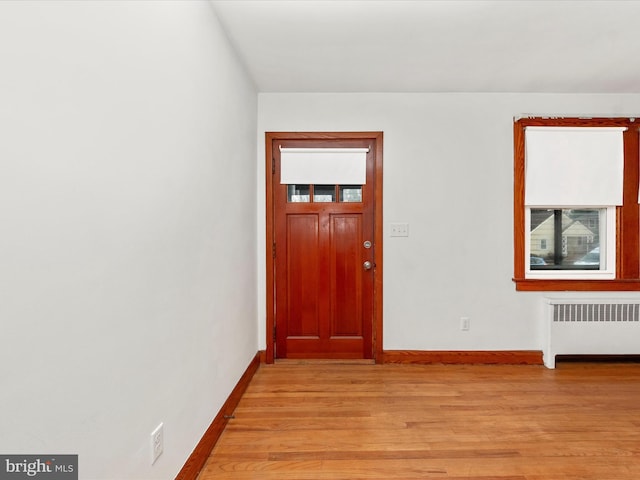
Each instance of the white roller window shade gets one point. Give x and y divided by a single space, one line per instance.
573 166
323 166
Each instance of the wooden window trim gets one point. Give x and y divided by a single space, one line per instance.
627 216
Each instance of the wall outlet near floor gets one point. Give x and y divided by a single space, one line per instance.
157 443
465 324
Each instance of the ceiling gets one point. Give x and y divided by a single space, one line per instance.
560 46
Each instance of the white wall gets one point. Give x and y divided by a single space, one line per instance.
448 172
127 230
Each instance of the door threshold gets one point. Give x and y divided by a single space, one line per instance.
325 361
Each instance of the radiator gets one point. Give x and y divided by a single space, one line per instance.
591 327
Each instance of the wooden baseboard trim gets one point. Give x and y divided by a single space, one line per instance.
199 456
506 357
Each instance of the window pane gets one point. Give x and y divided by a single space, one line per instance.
324 193
298 193
565 239
351 193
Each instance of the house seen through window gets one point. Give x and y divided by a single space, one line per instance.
565 239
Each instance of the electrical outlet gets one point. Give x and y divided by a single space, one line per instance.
465 323
157 443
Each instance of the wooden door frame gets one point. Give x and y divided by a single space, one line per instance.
376 139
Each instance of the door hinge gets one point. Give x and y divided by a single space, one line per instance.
273 166
273 250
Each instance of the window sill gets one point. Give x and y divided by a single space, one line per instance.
618 285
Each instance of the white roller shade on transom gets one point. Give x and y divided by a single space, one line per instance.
323 166
573 166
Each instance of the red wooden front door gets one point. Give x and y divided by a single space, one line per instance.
324 254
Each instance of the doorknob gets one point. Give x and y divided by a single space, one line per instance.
367 265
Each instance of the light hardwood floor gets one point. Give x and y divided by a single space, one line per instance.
485 422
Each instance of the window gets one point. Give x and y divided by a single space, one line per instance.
324 193
315 174
568 243
576 215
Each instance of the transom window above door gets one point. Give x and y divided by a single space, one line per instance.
324 193
324 175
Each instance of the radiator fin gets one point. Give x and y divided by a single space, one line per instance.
596 312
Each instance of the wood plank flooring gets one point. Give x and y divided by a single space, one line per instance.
580 421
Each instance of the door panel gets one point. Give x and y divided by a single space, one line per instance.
346 275
323 296
320 297
302 275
